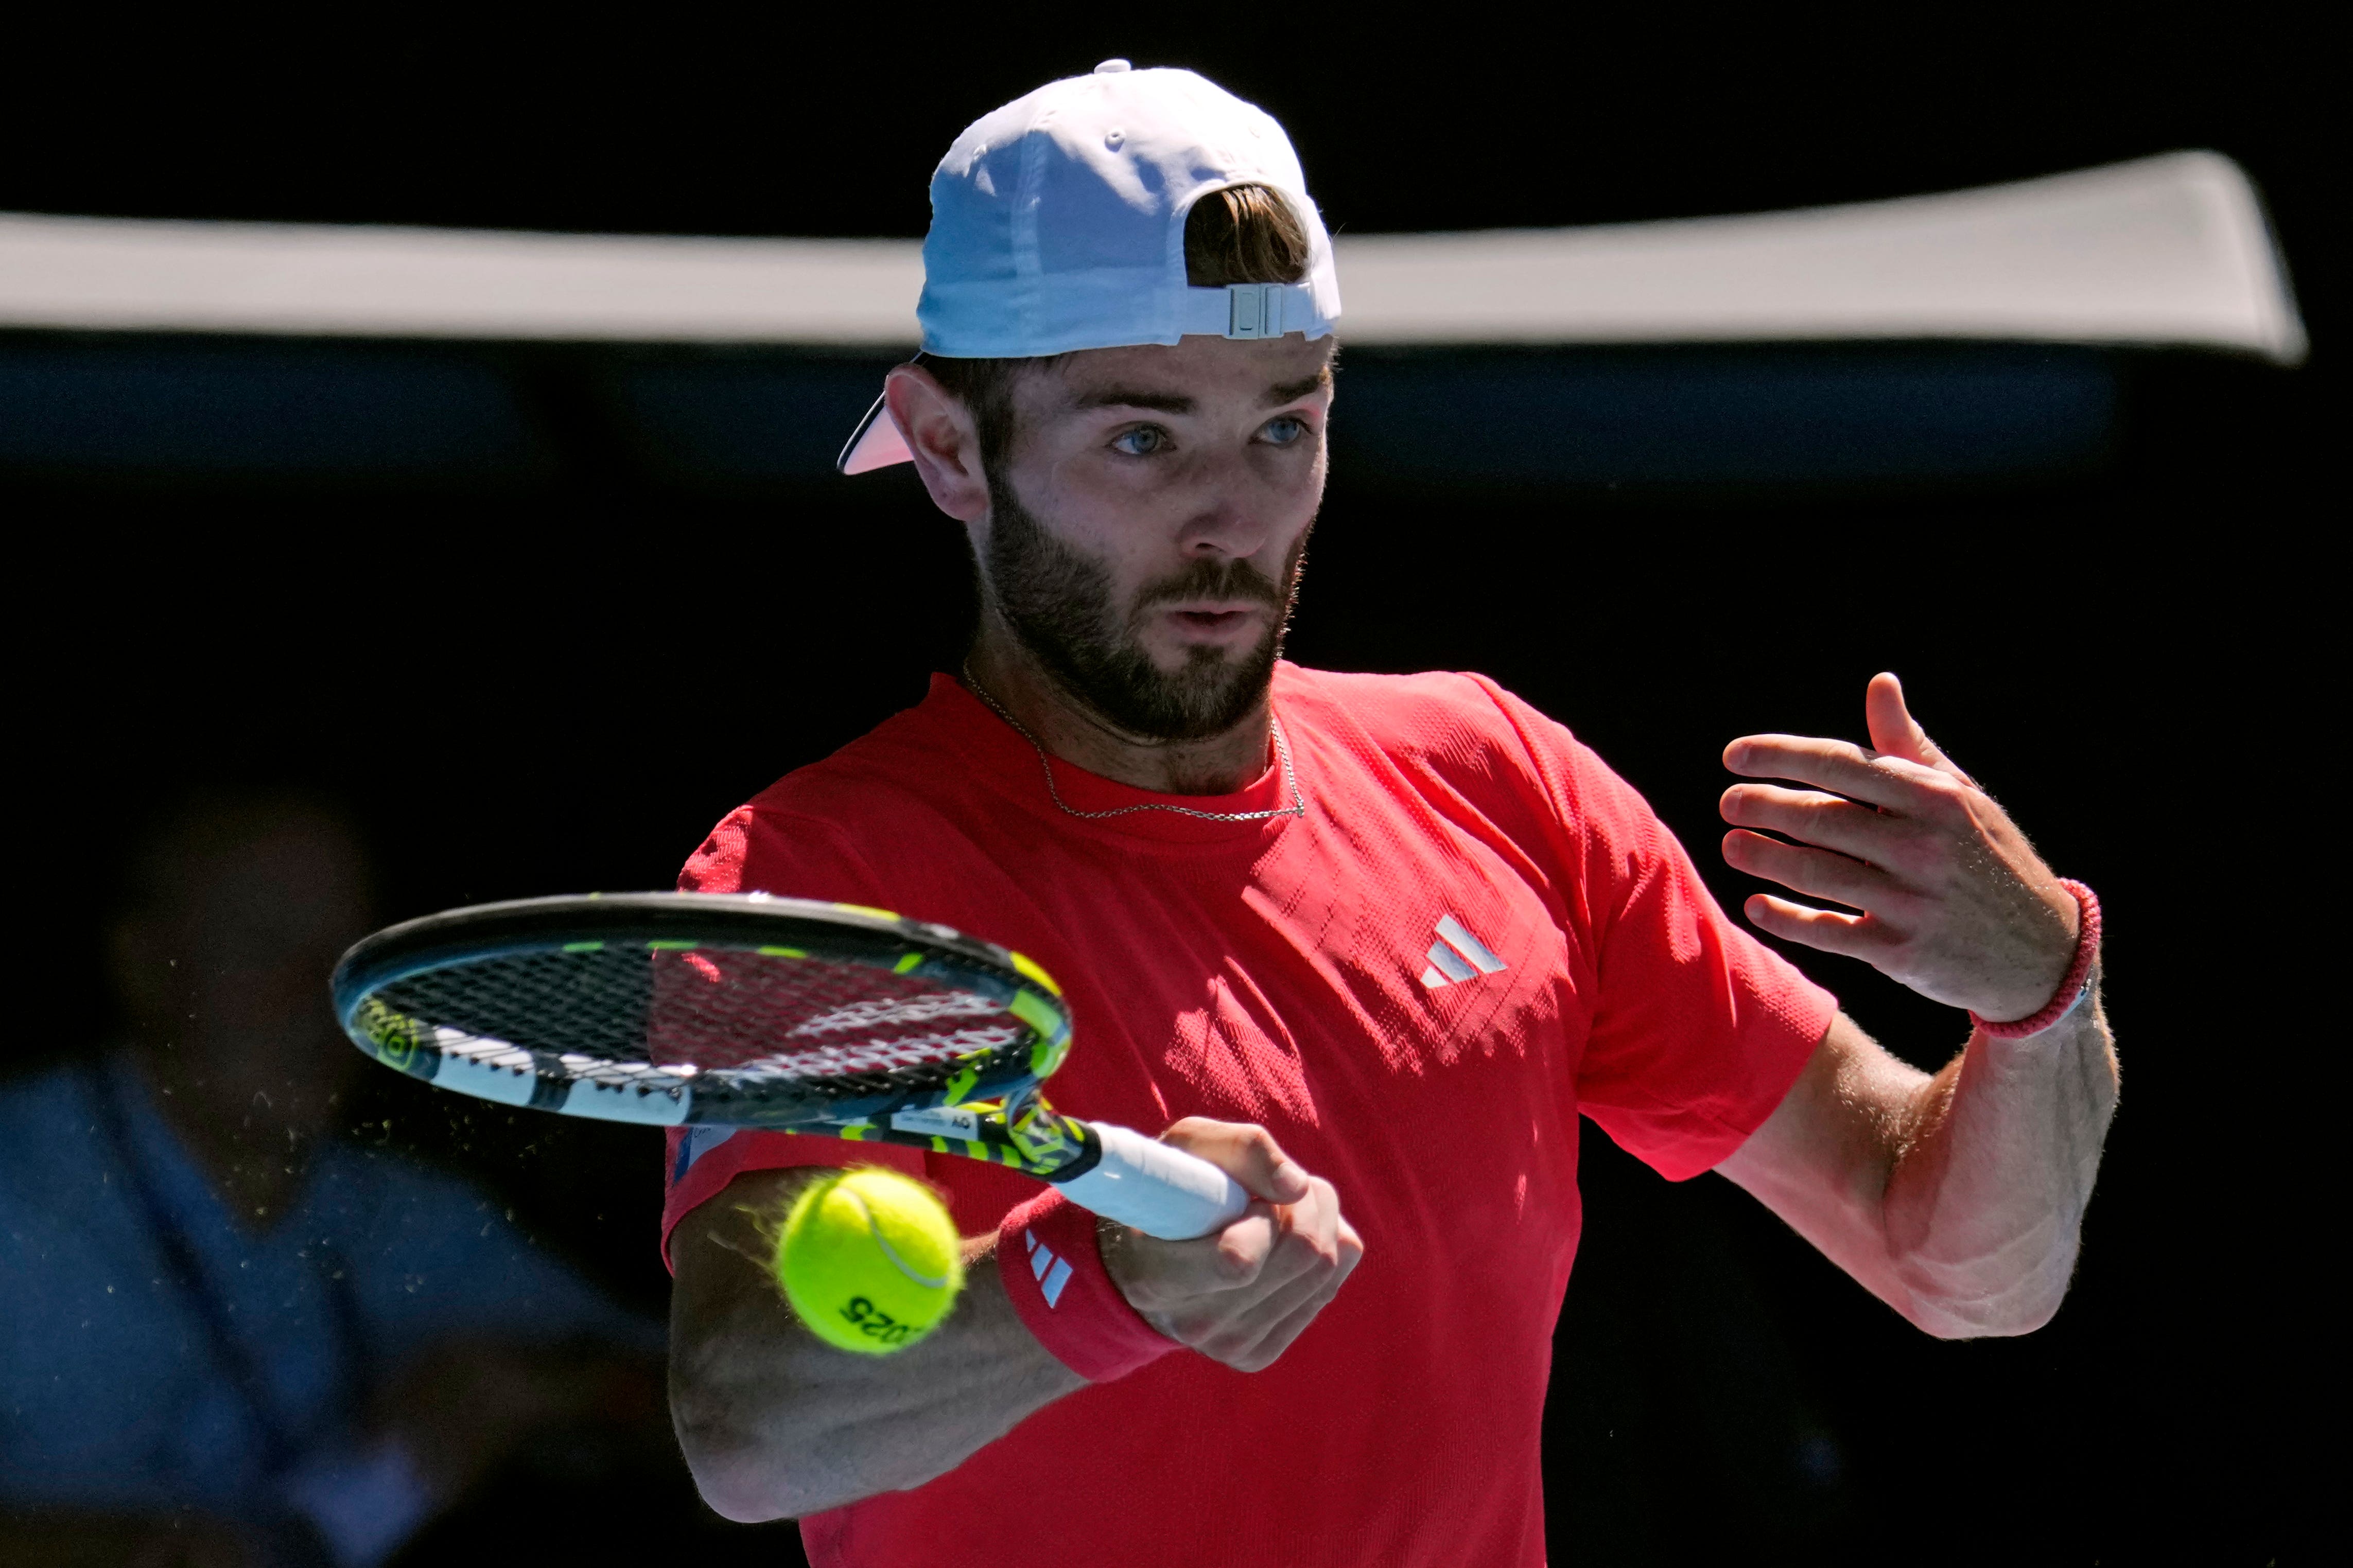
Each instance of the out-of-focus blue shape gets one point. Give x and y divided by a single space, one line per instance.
264 410
1673 417
116 1398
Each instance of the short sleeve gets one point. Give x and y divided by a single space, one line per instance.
703 1160
1698 1029
756 850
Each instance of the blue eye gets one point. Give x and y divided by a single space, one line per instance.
1285 430
1140 442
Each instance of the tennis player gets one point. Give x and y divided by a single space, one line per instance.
1370 944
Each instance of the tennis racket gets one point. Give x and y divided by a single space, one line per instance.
749 1011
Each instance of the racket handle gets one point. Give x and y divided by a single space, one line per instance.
1155 1187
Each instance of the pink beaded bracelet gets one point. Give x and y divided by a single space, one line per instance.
2078 977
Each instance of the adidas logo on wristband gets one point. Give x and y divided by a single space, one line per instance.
1077 1312
1051 1272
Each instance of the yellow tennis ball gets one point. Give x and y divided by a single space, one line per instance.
869 1259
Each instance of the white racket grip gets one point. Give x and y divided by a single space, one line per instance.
1153 1187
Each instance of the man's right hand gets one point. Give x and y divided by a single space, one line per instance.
1241 1295
775 1424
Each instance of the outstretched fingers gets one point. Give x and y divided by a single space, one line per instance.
1817 873
1953 902
1810 817
1826 930
1840 767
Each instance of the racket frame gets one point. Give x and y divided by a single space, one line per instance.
991 1111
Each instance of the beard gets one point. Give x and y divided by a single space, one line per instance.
1059 604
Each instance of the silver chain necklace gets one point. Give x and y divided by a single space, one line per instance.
1298 806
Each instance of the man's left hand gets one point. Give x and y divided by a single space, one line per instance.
1956 903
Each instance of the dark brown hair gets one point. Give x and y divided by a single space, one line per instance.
1242 234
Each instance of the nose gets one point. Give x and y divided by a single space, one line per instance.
1222 530
1230 514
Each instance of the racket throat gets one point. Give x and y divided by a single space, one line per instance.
1027 1135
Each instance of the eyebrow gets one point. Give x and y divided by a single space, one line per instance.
1182 403
1292 391
1136 397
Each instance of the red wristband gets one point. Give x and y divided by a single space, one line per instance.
1047 1253
2078 978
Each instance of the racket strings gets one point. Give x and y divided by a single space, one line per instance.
731 1020
862 1017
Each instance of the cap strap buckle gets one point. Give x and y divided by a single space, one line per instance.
1256 309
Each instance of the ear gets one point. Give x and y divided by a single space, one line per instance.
940 432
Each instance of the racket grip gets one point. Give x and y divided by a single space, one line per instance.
1155 1187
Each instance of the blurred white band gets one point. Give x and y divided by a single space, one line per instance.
2164 251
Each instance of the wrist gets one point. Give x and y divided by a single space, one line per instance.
2076 987
1050 1257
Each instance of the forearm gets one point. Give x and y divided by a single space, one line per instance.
774 1424
1983 1206
1958 1199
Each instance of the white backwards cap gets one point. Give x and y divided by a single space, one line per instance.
1058 223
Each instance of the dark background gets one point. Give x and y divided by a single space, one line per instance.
544 612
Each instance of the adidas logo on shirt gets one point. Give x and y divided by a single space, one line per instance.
1457 956
1052 1272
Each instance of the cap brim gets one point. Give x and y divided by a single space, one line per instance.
875 444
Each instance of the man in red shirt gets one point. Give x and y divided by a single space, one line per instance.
1372 944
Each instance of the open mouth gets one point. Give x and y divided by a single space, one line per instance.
1213 622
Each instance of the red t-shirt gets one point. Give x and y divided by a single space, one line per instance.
1476 932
